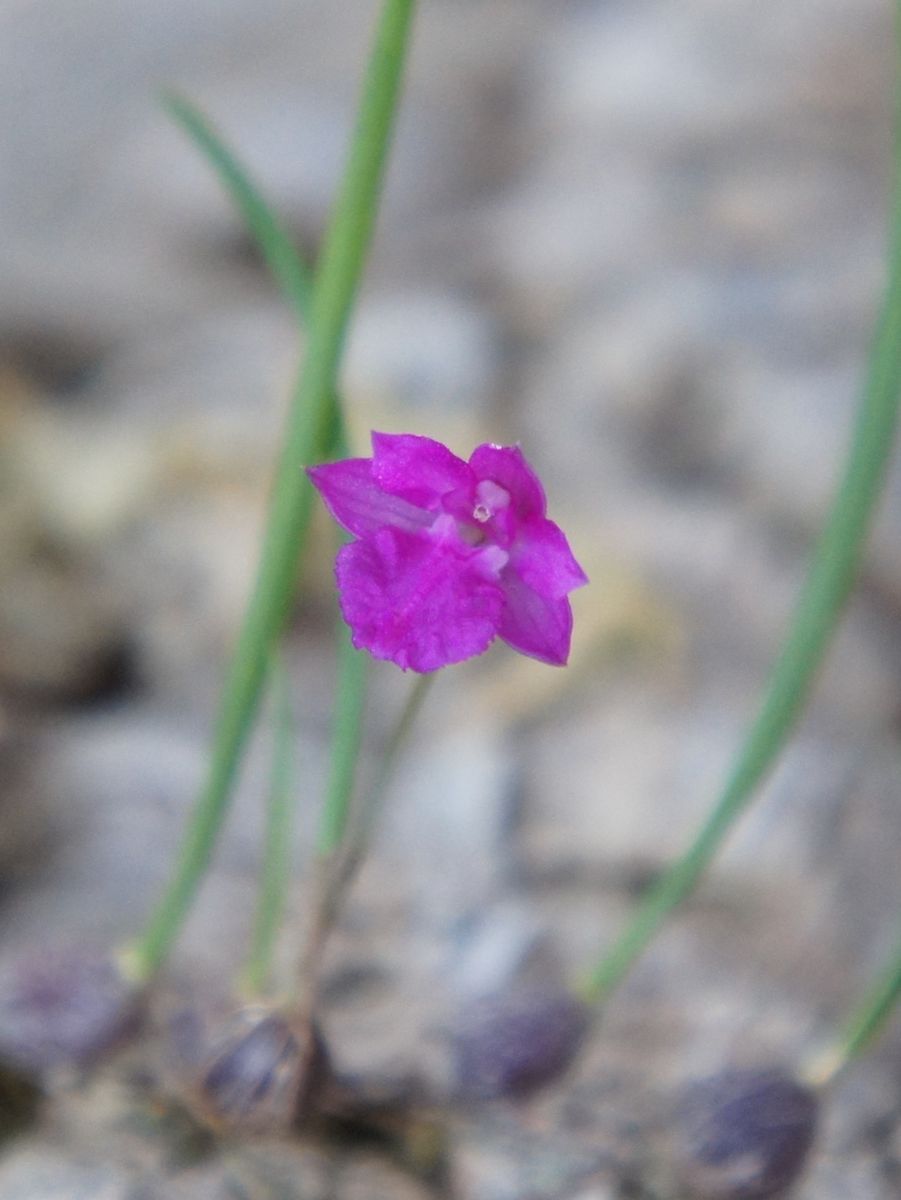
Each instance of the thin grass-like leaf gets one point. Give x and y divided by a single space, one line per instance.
276 869
274 243
337 282
829 580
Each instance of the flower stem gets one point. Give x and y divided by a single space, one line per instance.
339 859
369 810
344 251
829 580
346 735
277 852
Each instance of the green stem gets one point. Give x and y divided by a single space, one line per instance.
868 1018
829 580
401 731
336 868
277 852
357 838
295 280
343 255
346 736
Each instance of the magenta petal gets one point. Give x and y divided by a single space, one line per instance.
420 603
507 466
535 625
418 468
450 555
357 502
543 560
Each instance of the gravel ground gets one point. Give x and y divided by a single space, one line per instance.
644 240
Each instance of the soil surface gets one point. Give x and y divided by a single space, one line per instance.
647 242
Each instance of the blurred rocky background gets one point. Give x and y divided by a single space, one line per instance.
647 241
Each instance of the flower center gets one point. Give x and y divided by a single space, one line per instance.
469 533
490 499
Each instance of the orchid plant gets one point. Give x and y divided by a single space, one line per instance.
447 555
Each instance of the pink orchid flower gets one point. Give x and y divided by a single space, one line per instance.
449 554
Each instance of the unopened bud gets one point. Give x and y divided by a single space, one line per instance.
744 1135
510 1043
63 1007
262 1073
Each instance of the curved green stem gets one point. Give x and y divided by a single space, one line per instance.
344 251
829 580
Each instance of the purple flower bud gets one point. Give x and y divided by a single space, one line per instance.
511 1043
63 1007
262 1073
744 1135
